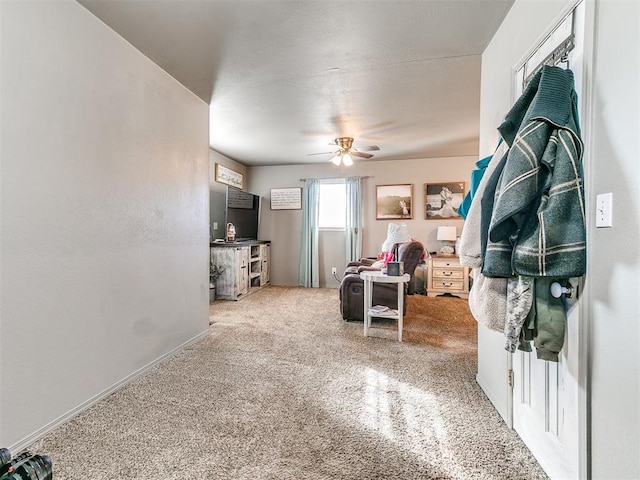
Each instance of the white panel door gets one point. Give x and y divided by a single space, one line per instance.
546 402
546 398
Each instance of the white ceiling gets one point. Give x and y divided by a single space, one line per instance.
286 77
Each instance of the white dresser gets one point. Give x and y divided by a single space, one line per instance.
446 275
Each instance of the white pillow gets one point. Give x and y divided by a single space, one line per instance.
377 264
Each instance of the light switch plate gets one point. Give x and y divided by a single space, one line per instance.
604 210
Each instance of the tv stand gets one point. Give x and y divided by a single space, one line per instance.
246 267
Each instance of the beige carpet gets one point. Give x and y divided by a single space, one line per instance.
283 388
443 322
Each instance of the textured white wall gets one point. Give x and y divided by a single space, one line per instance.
282 227
614 257
218 192
104 213
612 152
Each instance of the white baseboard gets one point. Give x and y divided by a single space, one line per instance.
38 434
493 398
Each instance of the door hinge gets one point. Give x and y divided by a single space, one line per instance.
510 378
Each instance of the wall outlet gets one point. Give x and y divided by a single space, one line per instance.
215 225
334 271
604 210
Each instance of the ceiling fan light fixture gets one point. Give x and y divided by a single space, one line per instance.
345 153
345 143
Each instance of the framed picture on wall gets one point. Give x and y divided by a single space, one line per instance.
286 198
229 177
394 201
443 199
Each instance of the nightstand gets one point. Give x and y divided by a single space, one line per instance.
446 275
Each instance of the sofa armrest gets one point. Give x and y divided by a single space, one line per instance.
365 268
362 261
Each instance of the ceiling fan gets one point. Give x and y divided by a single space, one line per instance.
346 151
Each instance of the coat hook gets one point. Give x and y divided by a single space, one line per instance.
557 290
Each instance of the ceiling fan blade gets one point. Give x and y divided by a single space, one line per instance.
322 153
367 148
360 154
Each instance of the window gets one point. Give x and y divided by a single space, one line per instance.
332 205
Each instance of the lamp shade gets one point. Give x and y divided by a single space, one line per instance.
447 233
397 233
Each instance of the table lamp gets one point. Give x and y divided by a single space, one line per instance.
447 235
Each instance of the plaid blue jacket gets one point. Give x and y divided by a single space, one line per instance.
537 225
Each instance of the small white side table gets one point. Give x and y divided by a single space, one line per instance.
369 279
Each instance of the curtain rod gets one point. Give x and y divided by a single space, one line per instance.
332 178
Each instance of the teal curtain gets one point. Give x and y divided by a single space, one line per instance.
309 275
353 230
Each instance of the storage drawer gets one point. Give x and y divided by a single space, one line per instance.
445 262
444 273
450 285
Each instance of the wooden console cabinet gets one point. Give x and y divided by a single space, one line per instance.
446 275
246 268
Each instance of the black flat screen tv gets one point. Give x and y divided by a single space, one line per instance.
243 210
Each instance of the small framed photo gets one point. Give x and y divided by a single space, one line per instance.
443 200
394 201
286 198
